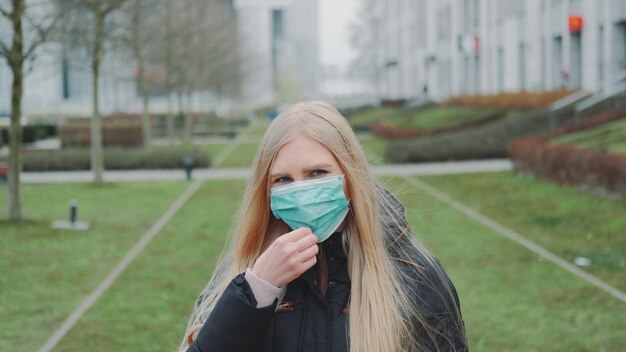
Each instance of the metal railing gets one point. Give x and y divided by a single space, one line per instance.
616 86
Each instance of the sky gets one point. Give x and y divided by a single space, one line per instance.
335 17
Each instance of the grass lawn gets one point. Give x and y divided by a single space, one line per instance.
441 117
609 137
214 150
46 273
148 307
374 149
368 117
257 128
511 299
564 220
241 156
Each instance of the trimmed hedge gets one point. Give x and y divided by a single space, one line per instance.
114 159
204 124
388 130
363 118
30 133
400 103
519 100
570 165
122 130
352 111
485 141
362 121
490 140
595 120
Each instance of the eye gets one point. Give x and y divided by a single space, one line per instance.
318 173
282 179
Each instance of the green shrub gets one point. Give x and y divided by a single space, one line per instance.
30 133
350 112
604 131
490 140
362 120
484 141
442 117
364 117
114 159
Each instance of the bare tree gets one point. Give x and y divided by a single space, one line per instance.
17 53
92 32
200 54
140 36
366 39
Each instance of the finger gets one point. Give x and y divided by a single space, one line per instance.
309 263
305 243
308 253
297 234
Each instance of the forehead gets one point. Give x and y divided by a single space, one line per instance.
300 153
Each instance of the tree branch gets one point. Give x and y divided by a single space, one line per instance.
4 50
4 12
42 33
112 6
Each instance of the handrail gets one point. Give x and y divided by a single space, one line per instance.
617 85
568 100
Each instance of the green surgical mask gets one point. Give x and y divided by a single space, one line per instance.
319 204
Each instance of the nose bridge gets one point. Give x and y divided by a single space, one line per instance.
299 176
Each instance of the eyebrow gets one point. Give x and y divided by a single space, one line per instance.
306 170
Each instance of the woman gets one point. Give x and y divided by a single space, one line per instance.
322 258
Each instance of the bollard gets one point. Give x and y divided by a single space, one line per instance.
73 211
73 223
188 165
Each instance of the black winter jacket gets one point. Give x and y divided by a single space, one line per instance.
308 321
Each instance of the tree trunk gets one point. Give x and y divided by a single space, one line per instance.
141 79
168 69
14 208
145 116
170 118
97 158
146 124
181 111
188 134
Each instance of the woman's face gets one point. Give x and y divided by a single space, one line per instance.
301 159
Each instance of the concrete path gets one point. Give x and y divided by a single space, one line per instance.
439 168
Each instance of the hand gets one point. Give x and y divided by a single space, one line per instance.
287 257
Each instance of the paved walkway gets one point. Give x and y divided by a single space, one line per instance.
439 168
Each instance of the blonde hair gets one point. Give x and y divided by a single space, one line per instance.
382 315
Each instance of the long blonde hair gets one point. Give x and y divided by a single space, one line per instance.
382 314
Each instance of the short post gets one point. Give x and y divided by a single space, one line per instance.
73 211
73 223
188 165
